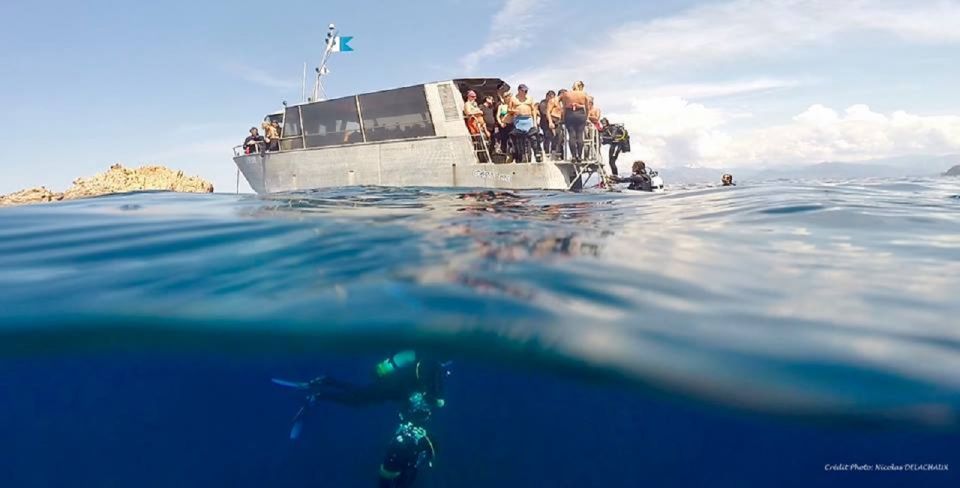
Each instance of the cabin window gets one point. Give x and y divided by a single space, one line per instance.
396 114
278 118
290 136
331 123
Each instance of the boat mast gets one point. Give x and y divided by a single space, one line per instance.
322 70
303 84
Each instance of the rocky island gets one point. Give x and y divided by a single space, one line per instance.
117 179
954 171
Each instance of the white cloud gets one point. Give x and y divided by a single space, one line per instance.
637 73
822 134
715 89
743 30
511 29
262 78
674 132
621 98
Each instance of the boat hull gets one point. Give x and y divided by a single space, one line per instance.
427 162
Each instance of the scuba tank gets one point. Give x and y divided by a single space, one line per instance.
656 182
399 360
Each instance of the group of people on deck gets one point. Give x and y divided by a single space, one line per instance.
256 143
514 125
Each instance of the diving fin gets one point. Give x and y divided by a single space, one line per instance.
297 424
300 385
309 401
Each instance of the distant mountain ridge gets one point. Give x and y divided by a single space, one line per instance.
895 167
876 168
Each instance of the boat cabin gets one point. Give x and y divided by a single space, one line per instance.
412 112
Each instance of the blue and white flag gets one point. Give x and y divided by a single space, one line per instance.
341 44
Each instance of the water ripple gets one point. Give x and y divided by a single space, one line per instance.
807 299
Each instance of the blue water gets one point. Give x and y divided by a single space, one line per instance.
741 336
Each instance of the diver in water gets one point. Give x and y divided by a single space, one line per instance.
410 448
414 382
727 180
639 180
395 379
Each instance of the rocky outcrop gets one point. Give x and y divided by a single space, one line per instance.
30 195
954 171
115 180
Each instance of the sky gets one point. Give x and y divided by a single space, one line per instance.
725 83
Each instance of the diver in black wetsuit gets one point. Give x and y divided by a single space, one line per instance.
410 448
397 377
414 382
639 180
617 137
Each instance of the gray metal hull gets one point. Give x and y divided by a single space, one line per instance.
430 162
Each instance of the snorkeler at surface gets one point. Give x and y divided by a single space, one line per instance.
639 180
727 180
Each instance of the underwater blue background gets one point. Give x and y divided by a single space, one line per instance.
705 337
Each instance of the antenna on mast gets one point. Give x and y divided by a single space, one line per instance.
322 70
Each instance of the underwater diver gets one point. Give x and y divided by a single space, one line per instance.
406 378
727 180
395 379
410 448
639 180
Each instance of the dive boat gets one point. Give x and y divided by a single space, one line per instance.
410 136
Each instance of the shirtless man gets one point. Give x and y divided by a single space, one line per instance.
546 126
272 138
593 128
556 121
576 105
525 115
594 116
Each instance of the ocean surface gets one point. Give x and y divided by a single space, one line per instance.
771 334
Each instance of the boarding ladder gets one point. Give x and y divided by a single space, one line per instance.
481 146
593 162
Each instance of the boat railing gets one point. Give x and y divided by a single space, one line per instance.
258 147
240 150
591 147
